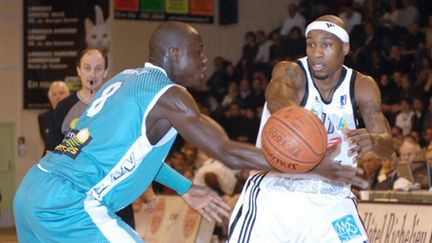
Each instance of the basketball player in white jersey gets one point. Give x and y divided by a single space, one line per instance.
277 207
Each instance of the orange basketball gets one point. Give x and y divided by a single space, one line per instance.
294 140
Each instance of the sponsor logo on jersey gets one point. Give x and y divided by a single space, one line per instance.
346 228
342 123
73 142
343 100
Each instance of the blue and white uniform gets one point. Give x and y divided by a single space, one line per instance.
278 207
101 166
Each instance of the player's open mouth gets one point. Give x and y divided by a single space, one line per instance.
317 67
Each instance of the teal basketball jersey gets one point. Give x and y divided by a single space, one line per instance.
107 154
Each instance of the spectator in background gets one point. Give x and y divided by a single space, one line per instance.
231 95
249 51
419 115
371 165
390 17
295 44
387 174
294 18
377 65
350 16
408 14
245 96
397 61
263 54
409 151
56 93
364 42
389 93
404 117
427 137
406 88
277 49
258 92
217 83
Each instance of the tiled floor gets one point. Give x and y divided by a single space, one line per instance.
7 235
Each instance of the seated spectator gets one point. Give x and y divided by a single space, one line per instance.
263 54
56 93
390 17
371 165
398 61
417 120
387 174
404 117
245 96
409 151
408 14
277 49
295 47
350 16
389 98
217 82
231 96
427 137
293 19
258 92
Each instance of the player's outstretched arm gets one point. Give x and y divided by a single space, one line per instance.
207 203
180 110
377 136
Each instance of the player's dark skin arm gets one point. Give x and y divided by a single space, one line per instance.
286 87
177 108
376 137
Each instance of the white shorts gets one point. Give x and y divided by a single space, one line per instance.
275 208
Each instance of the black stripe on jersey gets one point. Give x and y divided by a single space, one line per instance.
357 117
306 94
355 202
249 220
239 213
234 223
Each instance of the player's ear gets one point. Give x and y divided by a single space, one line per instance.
174 53
346 48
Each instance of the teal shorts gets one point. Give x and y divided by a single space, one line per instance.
49 208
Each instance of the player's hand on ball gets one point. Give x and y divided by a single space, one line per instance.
207 203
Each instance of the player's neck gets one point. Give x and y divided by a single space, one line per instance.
328 85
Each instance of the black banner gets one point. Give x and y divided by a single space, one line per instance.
55 32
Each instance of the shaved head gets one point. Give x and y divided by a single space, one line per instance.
178 49
170 34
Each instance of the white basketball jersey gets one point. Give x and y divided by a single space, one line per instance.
336 114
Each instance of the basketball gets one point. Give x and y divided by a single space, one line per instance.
294 140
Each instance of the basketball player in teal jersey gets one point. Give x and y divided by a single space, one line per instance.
276 207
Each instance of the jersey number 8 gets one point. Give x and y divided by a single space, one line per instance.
98 104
